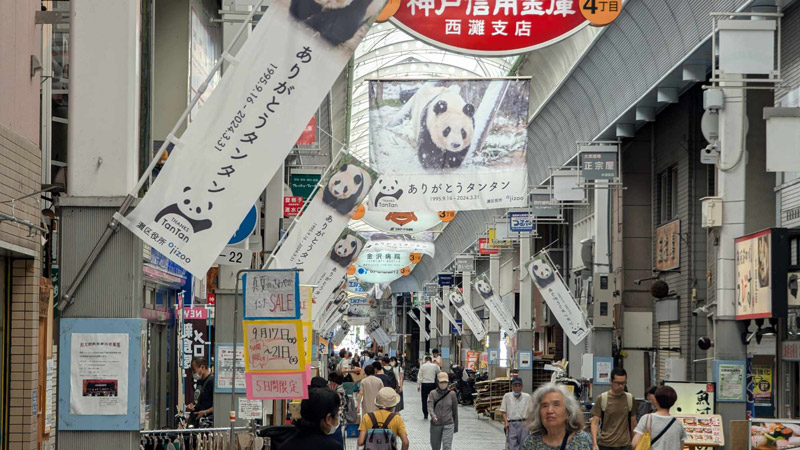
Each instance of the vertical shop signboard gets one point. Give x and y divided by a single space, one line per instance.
195 340
761 267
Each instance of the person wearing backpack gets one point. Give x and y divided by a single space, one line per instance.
613 415
662 430
443 409
380 430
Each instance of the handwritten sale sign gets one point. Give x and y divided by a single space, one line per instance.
271 295
276 386
274 346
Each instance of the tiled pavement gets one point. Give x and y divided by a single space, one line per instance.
474 432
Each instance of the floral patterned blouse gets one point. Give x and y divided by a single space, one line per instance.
580 441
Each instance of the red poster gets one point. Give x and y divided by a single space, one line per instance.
292 206
485 249
309 133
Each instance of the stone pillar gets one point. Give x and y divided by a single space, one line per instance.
494 325
467 336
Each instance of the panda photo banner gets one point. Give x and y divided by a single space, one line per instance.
239 138
328 276
559 299
445 309
422 331
329 308
377 332
497 308
449 145
468 315
316 236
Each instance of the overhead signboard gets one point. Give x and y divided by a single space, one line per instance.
491 28
485 249
544 207
598 162
401 222
446 279
521 222
761 267
668 246
464 263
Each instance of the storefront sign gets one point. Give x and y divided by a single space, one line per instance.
481 27
271 295
277 385
558 298
308 136
521 222
693 397
599 162
244 131
446 279
703 430
769 434
273 346
431 289
303 183
485 249
668 246
464 264
223 372
761 282
292 206
544 207
762 385
480 165
383 260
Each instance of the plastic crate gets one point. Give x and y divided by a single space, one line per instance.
351 430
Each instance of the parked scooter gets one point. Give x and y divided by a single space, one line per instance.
464 383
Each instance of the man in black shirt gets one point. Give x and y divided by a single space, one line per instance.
203 405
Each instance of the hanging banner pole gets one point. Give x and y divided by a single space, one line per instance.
113 226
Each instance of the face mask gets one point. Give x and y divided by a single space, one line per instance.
196 376
442 385
517 394
333 429
393 363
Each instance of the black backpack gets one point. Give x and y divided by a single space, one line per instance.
391 376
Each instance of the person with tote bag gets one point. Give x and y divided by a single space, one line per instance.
659 430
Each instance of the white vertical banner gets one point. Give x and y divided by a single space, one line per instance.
329 308
468 314
341 333
329 275
422 331
423 313
316 237
497 308
558 298
377 332
237 141
445 309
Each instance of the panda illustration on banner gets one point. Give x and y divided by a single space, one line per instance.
346 188
345 250
484 288
335 21
541 272
456 299
189 213
443 126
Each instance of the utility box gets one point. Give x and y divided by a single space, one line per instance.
783 134
712 212
747 46
604 300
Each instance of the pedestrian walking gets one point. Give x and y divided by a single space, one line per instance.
437 358
319 421
380 374
443 411
663 430
376 426
398 374
556 420
613 415
370 386
426 382
514 407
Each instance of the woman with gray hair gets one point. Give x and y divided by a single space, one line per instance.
556 421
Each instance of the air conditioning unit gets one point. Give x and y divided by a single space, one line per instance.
604 301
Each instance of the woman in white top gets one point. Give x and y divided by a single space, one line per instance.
666 432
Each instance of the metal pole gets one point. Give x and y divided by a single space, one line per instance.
235 344
113 226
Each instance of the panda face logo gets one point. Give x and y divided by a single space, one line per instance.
456 299
387 188
345 189
542 272
483 288
340 298
189 213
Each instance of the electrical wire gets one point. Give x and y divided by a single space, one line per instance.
743 143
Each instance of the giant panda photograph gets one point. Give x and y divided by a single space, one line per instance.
542 272
484 288
346 187
346 249
445 126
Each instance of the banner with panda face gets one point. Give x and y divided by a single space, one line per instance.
452 145
239 138
467 314
497 308
559 299
445 309
328 277
316 238
418 321
377 332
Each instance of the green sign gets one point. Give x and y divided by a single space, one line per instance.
303 184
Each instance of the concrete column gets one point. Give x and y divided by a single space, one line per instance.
467 336
446 341
434 326
422 341
731 184
494 325
525 333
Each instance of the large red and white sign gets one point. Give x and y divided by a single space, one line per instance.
484 27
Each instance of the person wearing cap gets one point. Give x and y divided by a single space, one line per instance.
384 417
514 408
443 410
